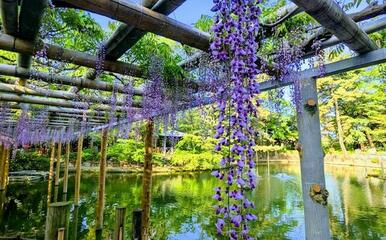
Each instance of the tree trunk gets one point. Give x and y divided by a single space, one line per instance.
339 127
146 180
370 139
312 164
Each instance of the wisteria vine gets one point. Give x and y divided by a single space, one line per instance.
235 47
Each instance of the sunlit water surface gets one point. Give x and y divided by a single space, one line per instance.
181 205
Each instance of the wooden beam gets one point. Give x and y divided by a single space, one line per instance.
332 17
361 61
370 27
14 71
126 35
312 164
30 18
9 16
10 43
102 181
146 20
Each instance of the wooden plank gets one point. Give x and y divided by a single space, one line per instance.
332 17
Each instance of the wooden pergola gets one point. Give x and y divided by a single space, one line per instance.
71 108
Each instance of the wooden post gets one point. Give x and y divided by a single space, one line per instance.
269 171
382 169
58 158
58 218
102 178
146 179
136 224
78 170
65 177
312 164
75 217
51 171
119 228
6 168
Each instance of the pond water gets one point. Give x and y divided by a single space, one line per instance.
181 205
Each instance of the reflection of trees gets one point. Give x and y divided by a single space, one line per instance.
182 203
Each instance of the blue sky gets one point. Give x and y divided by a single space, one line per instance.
188 13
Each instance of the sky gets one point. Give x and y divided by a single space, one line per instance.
188 13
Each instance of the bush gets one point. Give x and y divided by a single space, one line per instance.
128 151
90 155
192 161
28 160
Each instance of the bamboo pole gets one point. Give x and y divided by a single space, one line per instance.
6 168
78 170
58 218
58 159
10 97
51 171
146 180
102 181
10 43
65 177
2 166
41 92
14 71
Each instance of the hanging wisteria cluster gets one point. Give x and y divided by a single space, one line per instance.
235 47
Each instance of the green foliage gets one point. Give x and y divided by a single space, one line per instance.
90 155
128 151
29 160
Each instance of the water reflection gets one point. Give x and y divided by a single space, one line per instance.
181 205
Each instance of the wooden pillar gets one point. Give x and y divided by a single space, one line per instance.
57 220
119 228
65 177
136 224
1 165
51 171
78 170
102 178
146 180
312 163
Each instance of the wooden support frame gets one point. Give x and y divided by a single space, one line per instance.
312 163
333 18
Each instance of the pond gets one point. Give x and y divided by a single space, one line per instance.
181 205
